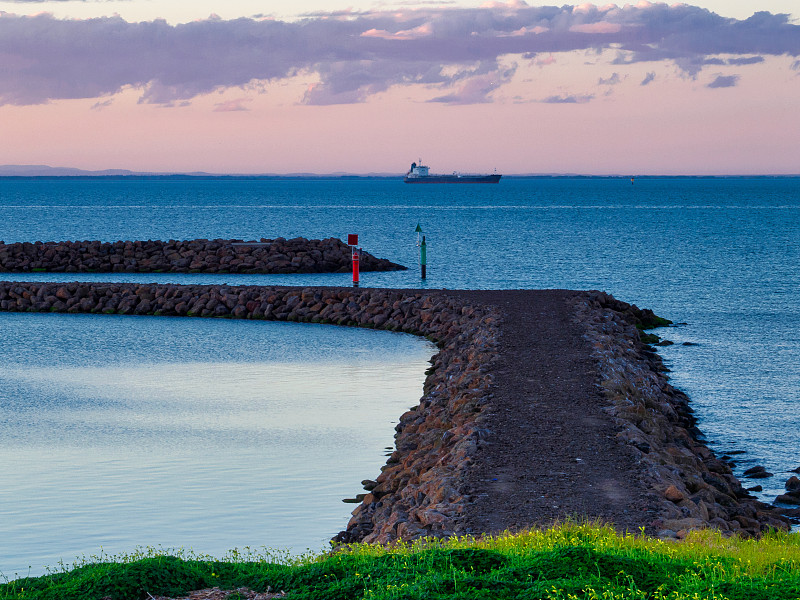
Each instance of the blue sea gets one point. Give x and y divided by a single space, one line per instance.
124 431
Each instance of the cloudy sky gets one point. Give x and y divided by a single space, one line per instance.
256 86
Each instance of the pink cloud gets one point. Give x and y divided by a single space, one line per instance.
407 34
543 62
235 105
724 81
599 27
358 54
100 105
476 90
322 95
648 78
568 99
536 30
511 4
614 79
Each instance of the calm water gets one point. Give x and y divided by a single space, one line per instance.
720 255
193 433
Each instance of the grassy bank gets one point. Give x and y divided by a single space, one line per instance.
564 563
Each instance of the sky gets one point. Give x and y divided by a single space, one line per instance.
266 86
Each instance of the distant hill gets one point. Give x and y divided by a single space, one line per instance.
47 171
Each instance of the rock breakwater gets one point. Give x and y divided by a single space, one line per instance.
692 486
422 489
267 256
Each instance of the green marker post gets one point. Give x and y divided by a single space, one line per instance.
423 258
422 250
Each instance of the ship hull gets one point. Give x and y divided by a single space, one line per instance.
454 179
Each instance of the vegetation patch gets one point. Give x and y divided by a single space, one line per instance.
649 338
569 562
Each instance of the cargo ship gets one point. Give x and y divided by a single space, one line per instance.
419 173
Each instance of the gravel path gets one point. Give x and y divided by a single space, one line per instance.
552 451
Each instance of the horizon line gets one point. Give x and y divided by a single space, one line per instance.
48 172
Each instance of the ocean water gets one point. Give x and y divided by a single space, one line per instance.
719 256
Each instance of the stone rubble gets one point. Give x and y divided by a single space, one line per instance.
277 256
697 489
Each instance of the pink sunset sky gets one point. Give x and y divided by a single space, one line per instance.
246 86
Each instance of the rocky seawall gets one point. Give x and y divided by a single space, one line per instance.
694 488
421 490
276 256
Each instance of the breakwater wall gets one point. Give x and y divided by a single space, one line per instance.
275 256
692 486
421 489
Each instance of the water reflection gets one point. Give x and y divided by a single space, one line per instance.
101 446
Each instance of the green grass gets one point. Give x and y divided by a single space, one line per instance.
569 562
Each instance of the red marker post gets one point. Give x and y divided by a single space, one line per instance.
352 241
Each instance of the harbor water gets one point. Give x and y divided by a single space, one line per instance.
193 438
